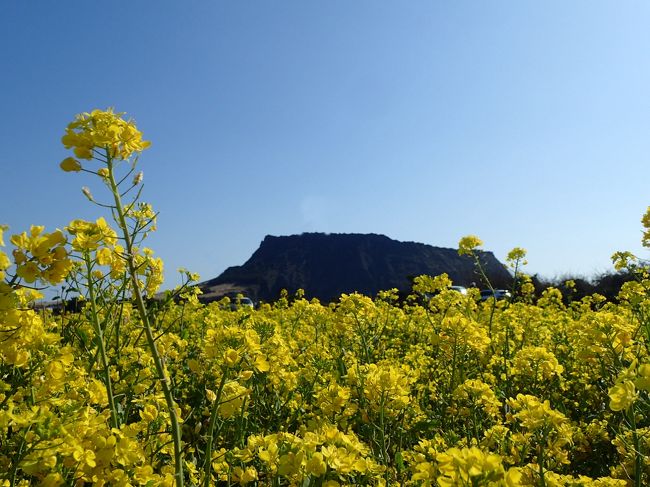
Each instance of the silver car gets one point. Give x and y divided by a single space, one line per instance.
243 302
497 294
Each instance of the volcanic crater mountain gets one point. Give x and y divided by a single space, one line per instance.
326 265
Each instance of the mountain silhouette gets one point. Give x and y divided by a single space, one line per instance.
327 265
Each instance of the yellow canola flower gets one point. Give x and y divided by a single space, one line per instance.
37 243
342 460
29 272
231 357
40 256
535 414
194 365
291 463
3 229
386 386
261 364
475 393
210 395
517 254
104 256
468 244
537 359
52 480
643 381
251 340
70 164
425 472
244 476
645 221
143 475
232 399
622 395
246 374
472 466
17 357
427 284
97 392
333 398
106 131
4 264
316 465
89 235
149 413
622 260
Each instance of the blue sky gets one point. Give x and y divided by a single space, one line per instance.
526 123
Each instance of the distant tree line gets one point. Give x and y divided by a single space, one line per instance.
607 284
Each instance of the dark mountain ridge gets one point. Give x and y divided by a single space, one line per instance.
326 265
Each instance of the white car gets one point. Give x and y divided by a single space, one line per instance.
460 289
497 294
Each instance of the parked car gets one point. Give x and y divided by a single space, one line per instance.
460 289
241 302
497 294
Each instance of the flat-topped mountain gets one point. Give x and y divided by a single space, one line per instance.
326 265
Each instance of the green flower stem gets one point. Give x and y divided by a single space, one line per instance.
213 422
638 458
100 341
541 460
479 266
382 433
137 294
18 458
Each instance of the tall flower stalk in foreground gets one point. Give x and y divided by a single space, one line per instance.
114 142
469 245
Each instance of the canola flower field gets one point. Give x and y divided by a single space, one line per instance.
449 391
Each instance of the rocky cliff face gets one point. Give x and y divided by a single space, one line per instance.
326 265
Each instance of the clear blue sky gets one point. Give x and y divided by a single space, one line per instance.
526 123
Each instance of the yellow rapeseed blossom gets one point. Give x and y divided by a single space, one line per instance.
70 164
468 244
232 399
5 263
386 386
260 364
332 399
427 284
623 260
3 229
244 476
645 221
643 379
41 256
622 395
477 394
537 363
104 130
535 414
316 465
231 357
516 255
473 467
90 235
429 392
